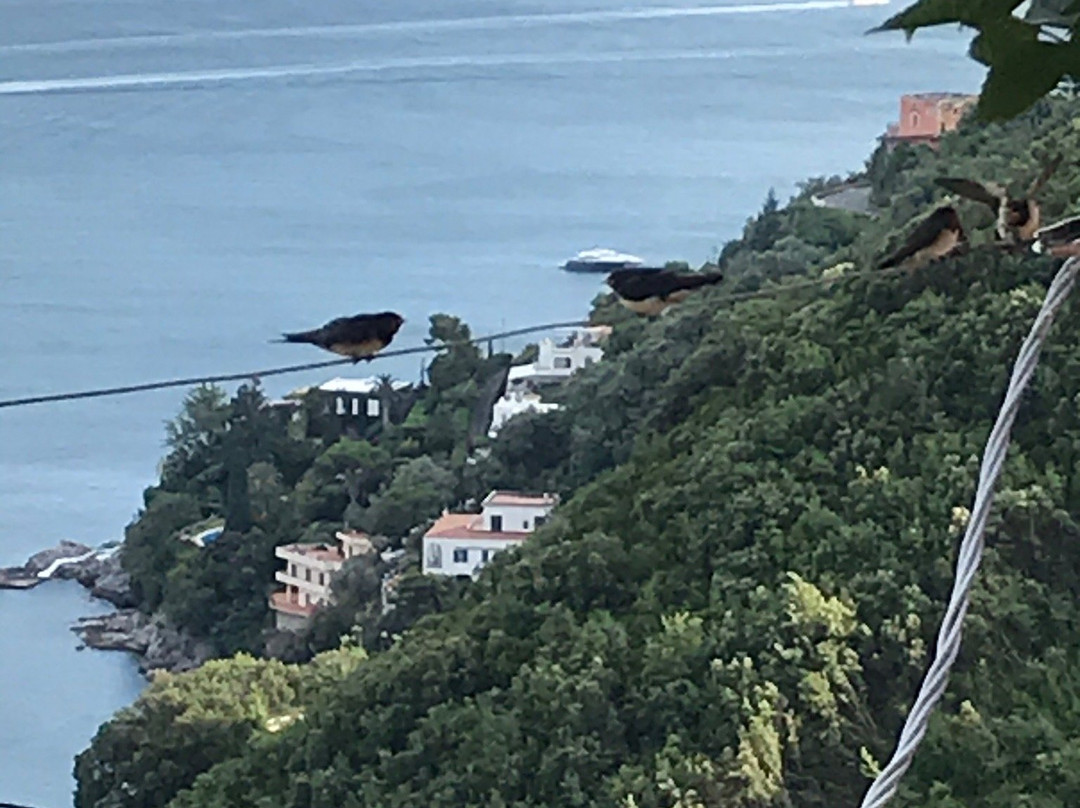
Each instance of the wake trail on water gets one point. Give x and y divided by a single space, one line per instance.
204 78
507 21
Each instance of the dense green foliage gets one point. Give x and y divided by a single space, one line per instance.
182 725
271 479
739 596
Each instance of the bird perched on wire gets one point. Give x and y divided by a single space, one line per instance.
936 236
650 291
1061 239
1017 218
358 337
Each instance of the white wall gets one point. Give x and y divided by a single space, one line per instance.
515 518
515 403
578 354
473 549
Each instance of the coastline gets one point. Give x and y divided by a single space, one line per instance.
150 637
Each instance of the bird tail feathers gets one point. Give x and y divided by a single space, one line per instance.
298 336
707 279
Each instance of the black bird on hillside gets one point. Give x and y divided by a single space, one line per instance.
1061 239
359 337
1017 218
936 236
650 291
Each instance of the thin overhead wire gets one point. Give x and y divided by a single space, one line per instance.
279 371
194 381
967 564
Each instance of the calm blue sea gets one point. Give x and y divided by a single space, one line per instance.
180 180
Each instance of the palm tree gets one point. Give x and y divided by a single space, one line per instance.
385 391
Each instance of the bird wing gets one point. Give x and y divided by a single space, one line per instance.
359 329
922 236
1045 175
972 190
1063 232
640 286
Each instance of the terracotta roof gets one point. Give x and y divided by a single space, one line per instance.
468 526
290 604
452 523
321 552
514 498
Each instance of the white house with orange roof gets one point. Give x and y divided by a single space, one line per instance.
462 543
307 574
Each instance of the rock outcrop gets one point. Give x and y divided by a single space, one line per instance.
159 645
104 577
28 575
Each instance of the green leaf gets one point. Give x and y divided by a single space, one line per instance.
997 41
926 13
1018 78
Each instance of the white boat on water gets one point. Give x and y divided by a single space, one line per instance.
601 259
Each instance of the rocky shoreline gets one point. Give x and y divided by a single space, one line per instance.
158 645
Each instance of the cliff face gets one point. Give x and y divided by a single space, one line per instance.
159 645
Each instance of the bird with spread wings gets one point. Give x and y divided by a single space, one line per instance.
1018 218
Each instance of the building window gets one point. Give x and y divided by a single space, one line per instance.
525 525
540 520
340 408
292 570
322 579
434 556
307 573
914 120
485 555
496 522
356 406
373 408
461 556
562 362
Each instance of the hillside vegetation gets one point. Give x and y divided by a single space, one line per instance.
738 598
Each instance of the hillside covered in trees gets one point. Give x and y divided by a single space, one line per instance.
736 601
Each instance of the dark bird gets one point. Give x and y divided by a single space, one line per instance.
359 337
1061 239
1017 218
649 291
936 236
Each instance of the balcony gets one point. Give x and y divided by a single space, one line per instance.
289 603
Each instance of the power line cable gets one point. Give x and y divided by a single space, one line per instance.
193 381
967 564
279 371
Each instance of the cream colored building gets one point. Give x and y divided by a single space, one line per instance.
308 571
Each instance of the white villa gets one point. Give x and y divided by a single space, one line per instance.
462 543
558 361
307 574
353 395
555 362
514 403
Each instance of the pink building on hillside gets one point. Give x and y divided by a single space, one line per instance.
924 117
